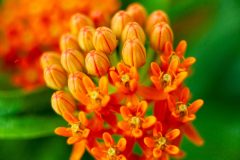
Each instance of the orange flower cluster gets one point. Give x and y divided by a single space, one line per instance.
27 28
101 96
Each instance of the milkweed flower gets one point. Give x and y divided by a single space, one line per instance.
152 109
28 28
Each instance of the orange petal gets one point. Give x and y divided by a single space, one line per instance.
62 131
123 125
114 76
180 78
171 135
157 129
121 145
82 118
171 149
181 48
103 85
195 106
188 118
121 67
125 112
69 118
155 80
73 139
137 133
155 69
121 157
185 95
173 66
133 85
85 133
98 152
168 48
88 83
189 61
108 139
142 108
149 142
105 100
78 150
149 122
192 134
157 153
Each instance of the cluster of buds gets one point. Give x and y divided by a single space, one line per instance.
100 93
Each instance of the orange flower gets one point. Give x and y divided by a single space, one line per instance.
110 151
161 144
78 130
169 80
134 122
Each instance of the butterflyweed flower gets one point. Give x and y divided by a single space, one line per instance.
68 41
118 22
104 40
160 34
97 63
138 13
133 30
49 58
63 102
134 53
125 91
72 60
85 38
28 28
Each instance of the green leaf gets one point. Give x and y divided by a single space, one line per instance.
18 101
28 126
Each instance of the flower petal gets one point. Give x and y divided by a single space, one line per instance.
98 152
85 133
171 135
171 149
137 133
121 145
73 139
157 130
103 85
142 108
125 112
123 125
107 138
192 134
78 150
149 142
155 69
157 153
181 48
121 157
62 131
149 122
195 106
82 117
88 83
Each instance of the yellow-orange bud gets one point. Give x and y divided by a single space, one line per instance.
68 41
104 40
77 21
118 22
134 53
85 38
75 85
49 58
154 18
55 76
138 13
63 102
161 33
72 60
97 63
133 30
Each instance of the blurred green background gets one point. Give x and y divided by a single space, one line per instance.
212 30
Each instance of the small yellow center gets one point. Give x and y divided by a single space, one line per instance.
161 142
174 57
125 78
111 152
182 109
166 78
75 128
135 121
94 95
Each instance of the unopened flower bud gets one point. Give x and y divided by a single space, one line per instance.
138 13
133 30
134 53
161 33
75 85
68 41
156 17
118 22
85 38
97 63
78 21
49 58
55 76
72 60
104 40
63 102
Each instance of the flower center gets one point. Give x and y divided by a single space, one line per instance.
94 95
182 109
173 57
166 78
111 152
75 128
161 142
135 121
125 78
